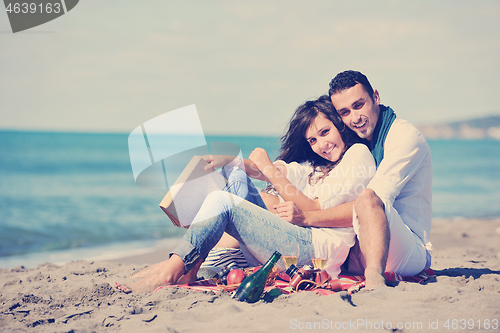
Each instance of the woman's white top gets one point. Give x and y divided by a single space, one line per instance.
343 184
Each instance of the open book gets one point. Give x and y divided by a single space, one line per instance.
185 197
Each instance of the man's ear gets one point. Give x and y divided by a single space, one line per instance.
376 97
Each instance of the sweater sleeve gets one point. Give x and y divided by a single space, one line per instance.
297 173
405 152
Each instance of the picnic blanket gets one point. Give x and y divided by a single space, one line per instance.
349 283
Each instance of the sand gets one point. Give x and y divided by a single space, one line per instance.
79 297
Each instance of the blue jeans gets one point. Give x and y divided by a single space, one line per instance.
259 231
240 184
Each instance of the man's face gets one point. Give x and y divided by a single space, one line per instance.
358 110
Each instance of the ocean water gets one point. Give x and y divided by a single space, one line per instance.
466 178
69 196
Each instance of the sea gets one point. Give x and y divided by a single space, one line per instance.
73 196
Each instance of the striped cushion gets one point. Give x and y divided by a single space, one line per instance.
223 256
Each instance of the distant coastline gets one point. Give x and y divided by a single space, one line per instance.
474 129
482 128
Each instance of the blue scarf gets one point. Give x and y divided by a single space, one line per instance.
385 120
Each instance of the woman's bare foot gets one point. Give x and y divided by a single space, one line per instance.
374 278
166 273
146 271
190 276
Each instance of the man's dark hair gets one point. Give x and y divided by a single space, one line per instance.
349 79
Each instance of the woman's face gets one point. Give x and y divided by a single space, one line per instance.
325 139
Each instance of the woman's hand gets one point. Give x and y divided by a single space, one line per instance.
290 212
217 161
261 159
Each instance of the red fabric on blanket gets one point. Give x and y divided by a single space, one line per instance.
348 283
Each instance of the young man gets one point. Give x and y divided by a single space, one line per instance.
392 217
394 213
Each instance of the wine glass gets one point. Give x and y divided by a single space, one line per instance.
320 256
289 253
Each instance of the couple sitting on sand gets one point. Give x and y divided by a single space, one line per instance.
349 172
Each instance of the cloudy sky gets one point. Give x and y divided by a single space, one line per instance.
108 66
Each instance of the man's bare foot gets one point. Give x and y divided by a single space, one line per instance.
374 278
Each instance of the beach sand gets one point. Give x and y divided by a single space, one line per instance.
79 297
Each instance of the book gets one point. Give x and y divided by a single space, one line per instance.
185 197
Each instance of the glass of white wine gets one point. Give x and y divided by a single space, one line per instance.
289 253
320 256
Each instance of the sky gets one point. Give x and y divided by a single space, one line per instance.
109 66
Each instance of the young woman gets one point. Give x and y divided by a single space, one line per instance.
321 165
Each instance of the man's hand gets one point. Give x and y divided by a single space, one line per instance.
290 212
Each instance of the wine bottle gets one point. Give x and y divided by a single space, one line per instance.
252 287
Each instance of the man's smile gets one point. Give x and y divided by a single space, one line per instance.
360 125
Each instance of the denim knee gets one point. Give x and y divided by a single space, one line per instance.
240 184
236 175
